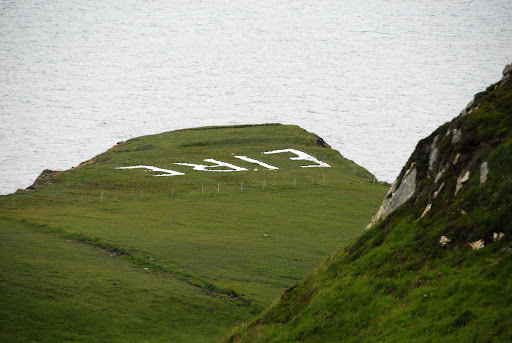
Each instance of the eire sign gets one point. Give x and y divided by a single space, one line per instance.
218 166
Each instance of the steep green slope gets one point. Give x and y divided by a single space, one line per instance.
437 263
177 257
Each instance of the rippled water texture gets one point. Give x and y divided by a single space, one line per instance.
371 78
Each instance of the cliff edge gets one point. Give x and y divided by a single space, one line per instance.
435 263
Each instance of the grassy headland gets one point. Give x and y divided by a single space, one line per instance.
98 253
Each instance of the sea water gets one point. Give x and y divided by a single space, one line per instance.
370 77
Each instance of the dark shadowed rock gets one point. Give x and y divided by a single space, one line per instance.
46 177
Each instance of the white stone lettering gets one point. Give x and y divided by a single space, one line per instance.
252 160
167 171
216 163
219 166
301 156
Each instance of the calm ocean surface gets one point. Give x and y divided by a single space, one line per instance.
371 78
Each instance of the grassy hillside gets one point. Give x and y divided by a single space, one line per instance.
438 268
98 253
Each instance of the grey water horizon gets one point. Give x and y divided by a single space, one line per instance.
371 79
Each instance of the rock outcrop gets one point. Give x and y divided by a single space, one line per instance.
438 266
47 176
397 197
448 152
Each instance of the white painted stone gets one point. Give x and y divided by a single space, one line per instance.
301 156
252 160
166 171
216 164
219 166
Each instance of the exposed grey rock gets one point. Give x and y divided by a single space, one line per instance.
507 70
506 74
434 142
505 79
457 134
440 174
461 180
436 193
484 170
467 108
404 192
433 153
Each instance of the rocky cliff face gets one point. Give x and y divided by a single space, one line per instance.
435 262
445 161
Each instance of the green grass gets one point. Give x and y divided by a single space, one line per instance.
396 283
56 290
392 293
188 261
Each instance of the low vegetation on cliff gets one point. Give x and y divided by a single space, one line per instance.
436 262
